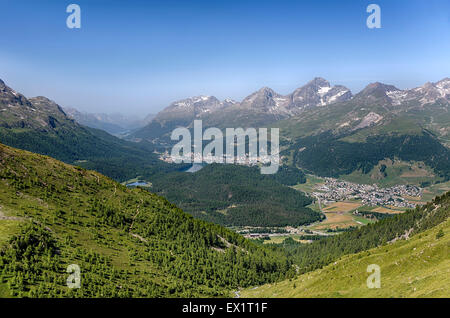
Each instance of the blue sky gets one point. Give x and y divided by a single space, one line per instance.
138 56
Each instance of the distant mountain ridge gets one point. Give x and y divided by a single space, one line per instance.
40 125
428 93
38 112
380 122
261 107
191 108
266 106
378 104
329 131
112 123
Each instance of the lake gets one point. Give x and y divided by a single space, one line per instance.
138 184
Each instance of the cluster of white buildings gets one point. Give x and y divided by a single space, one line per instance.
372 195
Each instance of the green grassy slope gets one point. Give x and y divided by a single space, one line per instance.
388 173
89 148
41 126
126 242
418 267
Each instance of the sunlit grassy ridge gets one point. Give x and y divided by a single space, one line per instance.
128 243
418 267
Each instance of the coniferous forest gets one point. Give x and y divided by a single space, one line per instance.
131 243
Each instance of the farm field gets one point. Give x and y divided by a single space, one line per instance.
342 207
339 216
381 209
311 183
436 189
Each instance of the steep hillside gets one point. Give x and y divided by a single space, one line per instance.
126 242
41 126
309 257
332 156
417 267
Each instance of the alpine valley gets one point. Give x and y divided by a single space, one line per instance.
365 179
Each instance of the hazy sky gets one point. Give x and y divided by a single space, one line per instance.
139 56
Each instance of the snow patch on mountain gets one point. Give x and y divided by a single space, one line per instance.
323 90
397 97
369 120
335 97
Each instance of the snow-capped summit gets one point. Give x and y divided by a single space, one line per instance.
428 93
319 92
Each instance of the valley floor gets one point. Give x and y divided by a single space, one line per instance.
340 215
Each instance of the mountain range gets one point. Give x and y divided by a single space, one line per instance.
326 130
134 243
41 126
265 106
260 108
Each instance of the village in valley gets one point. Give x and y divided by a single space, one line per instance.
346 205
334 190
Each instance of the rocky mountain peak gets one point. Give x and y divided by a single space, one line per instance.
11 98
21 112
378 87
187 109
263 98
266 91
443 84
428 93
44 103
318 82
319 92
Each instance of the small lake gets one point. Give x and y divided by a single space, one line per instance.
138 184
